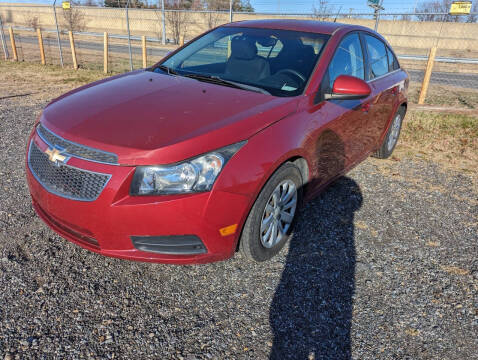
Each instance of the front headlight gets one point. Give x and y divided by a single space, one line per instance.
195 175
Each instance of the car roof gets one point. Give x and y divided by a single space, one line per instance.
321 27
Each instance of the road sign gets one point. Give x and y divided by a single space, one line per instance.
460 8
66 5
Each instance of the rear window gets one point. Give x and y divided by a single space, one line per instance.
377 56
392 61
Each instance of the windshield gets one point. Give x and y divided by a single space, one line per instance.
278 62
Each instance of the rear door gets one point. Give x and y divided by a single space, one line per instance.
381 66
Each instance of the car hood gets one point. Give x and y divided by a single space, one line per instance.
149 118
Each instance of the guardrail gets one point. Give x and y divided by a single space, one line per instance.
440 59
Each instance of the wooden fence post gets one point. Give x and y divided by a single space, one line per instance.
40 43
181 40
428 74
105 61
14 47
73 51
145 60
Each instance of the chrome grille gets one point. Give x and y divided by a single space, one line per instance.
76 150
64 180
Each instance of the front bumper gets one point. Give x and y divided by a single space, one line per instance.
107 224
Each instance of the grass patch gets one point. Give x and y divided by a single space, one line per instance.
43 82
23 71
448 138
445 96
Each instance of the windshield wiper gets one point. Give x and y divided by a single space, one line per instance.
217 80
165 69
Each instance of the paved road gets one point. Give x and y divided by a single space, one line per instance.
469 81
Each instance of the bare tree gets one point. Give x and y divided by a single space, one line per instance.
472 18
212 17
177 20
123 3
322 10
90 3
73 19
429 10
32 21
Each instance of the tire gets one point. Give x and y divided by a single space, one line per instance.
254 243
393 133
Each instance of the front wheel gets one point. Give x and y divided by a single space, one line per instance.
392 136
270 221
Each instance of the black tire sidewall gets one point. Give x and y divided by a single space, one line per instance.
384 152
251 239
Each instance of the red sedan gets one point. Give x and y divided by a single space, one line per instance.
214 148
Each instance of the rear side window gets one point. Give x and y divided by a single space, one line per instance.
392 60
377 56
347 60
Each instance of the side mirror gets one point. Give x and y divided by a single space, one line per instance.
348 88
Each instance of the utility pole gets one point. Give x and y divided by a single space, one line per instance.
129 37
230 10
376 5
163 20
58 34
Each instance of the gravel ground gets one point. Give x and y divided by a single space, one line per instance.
384 264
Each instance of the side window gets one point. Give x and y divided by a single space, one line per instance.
392 61
348 59
377 55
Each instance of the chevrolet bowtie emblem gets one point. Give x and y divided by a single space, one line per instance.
54 155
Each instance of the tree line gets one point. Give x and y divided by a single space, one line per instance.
213 5
424 11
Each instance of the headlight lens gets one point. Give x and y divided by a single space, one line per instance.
195 175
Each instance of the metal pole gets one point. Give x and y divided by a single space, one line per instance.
129 38
58 34
163 20
4 44
376 19
377 14
230 10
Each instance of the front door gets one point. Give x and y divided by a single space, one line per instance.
338 135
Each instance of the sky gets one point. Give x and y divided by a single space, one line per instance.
300 6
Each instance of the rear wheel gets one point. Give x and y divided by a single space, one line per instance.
270 221
392 136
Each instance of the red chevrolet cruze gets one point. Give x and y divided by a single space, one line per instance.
213 148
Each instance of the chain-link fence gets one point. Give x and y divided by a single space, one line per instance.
135 37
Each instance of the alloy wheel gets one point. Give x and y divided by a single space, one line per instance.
394 132
278 213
